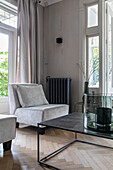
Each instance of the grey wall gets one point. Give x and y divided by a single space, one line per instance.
62 20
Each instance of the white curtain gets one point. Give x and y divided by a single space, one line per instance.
28 51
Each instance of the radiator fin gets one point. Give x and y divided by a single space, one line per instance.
59 90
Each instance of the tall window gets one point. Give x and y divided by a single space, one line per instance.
92 43
8 25
92 37
8 17
93 61
109 45
92 16
4 39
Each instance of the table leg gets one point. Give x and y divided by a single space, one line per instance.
75 135
49 156
38 147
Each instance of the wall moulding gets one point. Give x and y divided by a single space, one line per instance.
45 3
89 1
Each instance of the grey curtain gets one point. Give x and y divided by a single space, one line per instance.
27 51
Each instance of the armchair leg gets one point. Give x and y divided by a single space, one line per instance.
41 131
7 145
17 125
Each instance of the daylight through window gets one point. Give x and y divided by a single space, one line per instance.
8 25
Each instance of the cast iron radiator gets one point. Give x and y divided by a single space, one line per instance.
59 91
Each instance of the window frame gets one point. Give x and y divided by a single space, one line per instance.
11 53
89 5
9 10
92 32
87 58
108 90
4 101
12 33
83 33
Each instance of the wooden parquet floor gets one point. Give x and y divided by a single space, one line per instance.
78 156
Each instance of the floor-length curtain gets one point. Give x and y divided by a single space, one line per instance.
27 50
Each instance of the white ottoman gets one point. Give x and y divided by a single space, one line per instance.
7 130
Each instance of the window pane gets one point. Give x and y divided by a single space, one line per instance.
93 61
93 16
3 64
110 48
110 54
8 18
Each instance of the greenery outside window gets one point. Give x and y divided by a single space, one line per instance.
92 46
8 24
93 61
109 46
3 65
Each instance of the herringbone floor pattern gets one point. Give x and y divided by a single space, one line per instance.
78 156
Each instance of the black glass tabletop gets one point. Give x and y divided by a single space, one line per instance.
74 122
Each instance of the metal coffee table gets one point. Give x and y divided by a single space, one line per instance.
74 123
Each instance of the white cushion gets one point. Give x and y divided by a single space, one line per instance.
31 96
13 96
34 115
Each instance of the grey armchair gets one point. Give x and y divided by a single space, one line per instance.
29 104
